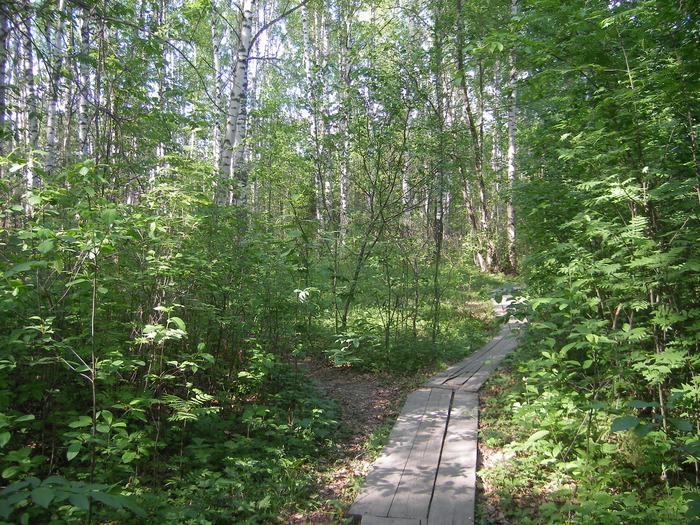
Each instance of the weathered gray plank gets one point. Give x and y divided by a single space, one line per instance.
426 474
415 489
454 495
382 482
466 367
477 380
471 373
373 520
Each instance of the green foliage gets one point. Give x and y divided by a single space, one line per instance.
609 362
156 335
145 330
32 499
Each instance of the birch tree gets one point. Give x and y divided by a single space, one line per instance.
4 37
233 176
55 43
84 85
31 122
511 167
230 169
475 127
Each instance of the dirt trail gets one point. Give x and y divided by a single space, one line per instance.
366 402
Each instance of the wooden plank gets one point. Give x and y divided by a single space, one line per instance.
426 473
477 380
373 520
455 483
469 363
377 493
471 373
415 490
459 373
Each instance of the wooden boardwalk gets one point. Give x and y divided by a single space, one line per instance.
426 473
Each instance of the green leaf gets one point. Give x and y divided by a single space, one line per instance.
82 421
10 471
178 322
54 480
109 216
623 423
73 450
128 456
7 503
126 502
43 496
537 436
21 267
34 200
25 417
598 405
4 438
46 246
107 499
80 500
643 430
107 416
681 424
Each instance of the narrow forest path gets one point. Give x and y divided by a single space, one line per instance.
426 473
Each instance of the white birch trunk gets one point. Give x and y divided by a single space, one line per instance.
232 147
315 122
307 45
218 85
238 169
511 173
319 104
475 124
344 66
3 80
30 111
84 83
56 81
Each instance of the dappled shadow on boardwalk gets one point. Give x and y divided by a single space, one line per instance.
426 473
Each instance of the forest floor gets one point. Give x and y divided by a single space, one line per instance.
369 404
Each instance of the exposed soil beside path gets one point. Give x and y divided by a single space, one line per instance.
367 402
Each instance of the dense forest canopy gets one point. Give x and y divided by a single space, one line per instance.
197 193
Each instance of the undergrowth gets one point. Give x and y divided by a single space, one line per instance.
548 458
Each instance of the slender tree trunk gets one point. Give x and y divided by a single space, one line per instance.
232 148
218 83
314 122
512 114
55 87
437 189
484 257
30 110
4 33
344 165
320 109
84 83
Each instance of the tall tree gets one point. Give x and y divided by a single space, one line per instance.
511 166
4 60
55 37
